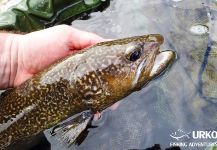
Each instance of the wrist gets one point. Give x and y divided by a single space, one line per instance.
8 59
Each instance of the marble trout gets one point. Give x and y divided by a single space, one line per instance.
92 79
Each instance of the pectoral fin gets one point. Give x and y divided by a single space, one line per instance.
74 130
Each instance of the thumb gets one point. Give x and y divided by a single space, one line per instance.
81 39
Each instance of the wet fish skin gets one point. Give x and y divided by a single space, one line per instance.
92 79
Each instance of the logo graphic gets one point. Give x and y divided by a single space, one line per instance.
179 134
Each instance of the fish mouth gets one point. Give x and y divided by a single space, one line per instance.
163 60
155 63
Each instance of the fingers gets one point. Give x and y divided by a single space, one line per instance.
38 50
96 116
54 43
81 39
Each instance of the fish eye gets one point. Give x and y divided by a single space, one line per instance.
135 55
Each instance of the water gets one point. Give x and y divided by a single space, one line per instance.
184 99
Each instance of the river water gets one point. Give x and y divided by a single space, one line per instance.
171 108
181 102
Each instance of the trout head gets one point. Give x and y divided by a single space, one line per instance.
129 64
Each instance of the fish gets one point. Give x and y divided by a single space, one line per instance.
91 79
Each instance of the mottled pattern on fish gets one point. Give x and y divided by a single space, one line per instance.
93 79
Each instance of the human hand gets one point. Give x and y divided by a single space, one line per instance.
31 53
